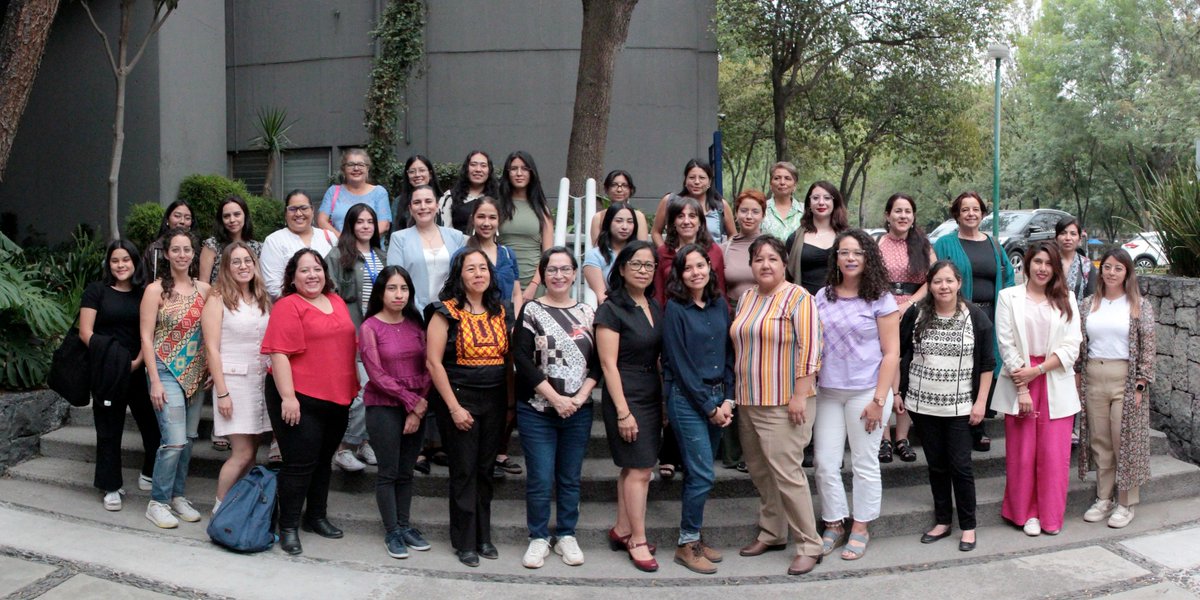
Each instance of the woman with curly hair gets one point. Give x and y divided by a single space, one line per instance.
862 352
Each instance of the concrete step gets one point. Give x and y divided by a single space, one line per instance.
77 442
729 522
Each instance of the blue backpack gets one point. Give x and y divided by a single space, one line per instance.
243 522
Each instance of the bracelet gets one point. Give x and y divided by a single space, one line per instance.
225 395
627 415
1041 370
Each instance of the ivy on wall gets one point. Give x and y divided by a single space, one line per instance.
400 53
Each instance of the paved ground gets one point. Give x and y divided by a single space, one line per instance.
51 552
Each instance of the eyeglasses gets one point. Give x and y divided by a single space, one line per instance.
519 169
355 165
301 208
557 270
620 185
851 253
637 265
238 262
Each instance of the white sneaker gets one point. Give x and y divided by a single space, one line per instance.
112 500
344 460
1121 517
184 509
367 454
145 483
535 555
1033 527
1099 511
568 549
216 505
160 515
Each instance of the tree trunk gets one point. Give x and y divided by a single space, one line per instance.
118 148
779 102
268 181
22 43
605 27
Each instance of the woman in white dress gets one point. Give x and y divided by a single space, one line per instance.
234 322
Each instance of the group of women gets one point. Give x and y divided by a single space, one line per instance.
759 328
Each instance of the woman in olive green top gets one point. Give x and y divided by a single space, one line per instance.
526 225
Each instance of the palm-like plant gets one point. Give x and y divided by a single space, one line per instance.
29 318
1174 206
272 126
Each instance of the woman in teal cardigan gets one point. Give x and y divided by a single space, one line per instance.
985 271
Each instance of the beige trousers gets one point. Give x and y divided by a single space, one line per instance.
1105 401
773 449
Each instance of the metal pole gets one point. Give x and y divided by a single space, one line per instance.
996 160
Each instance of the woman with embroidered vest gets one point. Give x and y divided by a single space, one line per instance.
1037 326
424 250
1115 366
171 334
354 189
946 364
467 357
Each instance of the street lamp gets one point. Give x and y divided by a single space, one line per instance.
998 53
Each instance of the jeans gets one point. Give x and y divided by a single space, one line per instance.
356 426
109 418
471 455
307 448
397 453
698 439
554 449
947 444
178 423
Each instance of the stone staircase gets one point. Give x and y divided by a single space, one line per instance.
67 455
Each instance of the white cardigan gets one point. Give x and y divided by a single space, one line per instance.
1065 338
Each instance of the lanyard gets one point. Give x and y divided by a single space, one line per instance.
372 265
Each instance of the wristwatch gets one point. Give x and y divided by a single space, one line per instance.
879 401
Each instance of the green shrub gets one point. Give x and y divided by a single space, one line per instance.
141 226
204 193
65 270
1174 202
446 174
267 216
31 319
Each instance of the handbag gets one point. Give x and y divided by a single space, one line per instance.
69 374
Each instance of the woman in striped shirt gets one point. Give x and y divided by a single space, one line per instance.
776 324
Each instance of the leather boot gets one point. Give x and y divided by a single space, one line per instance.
289 541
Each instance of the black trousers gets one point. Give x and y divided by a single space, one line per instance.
307 449
947 445
471 454
109 418
397 454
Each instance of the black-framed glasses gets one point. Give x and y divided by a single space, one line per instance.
299 208
638 265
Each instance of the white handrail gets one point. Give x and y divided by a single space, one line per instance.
589 212
560 217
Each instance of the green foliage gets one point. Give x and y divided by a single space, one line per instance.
1174 207
204 193
66 270
30 318
267 216
272 126
446 174
400 51
141 225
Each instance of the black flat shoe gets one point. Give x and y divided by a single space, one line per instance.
467 557
488 550
966 546
929 539
323 528
289 541
808 457
422 466
982 444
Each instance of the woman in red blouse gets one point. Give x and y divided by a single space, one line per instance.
313 379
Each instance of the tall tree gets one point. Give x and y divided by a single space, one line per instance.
22 43
122 65
605 27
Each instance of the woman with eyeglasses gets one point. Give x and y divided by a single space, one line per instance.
1115 368
619 188
475 180
418 171
354 189
1038 328
697 185
280 246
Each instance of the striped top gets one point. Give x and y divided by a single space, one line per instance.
776 339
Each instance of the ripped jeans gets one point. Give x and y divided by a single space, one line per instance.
178 422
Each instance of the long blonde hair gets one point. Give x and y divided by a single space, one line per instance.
1133 294
228 290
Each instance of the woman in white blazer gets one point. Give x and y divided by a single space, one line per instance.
424 250
1037 327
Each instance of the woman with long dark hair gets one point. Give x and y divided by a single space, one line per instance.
355 188
697 185
619 188
418 171
108 325
946 364
475 180
1115 368
467 357
425 250
392 346
233 224
485 236
619 227
170 332
862 351
825 217
907 255
310 339
525 220
1038 328
178 215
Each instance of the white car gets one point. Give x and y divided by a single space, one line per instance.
1146 250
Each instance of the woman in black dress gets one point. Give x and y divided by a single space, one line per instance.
629 339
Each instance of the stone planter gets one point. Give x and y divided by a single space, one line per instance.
1175 394
24 417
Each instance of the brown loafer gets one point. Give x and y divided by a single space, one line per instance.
803 564
759 547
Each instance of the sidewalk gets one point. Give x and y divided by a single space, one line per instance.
49 553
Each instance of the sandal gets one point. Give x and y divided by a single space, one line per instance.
885 451
905 451
853 553
666 472
832 538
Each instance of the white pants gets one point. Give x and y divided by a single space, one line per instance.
839 416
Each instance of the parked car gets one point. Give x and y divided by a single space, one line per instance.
1146 250
1018 229
876 233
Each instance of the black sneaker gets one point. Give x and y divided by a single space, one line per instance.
510 466
413 539
395 544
